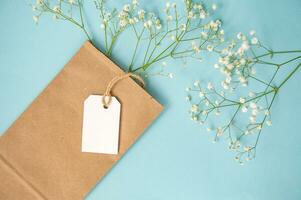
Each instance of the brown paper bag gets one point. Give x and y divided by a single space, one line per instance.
40 154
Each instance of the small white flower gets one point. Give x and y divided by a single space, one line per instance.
219 131
194 118
247 149
188 89
167 5
158 24
244 109
39 2
102 26
242 100
210 86
169 18
214 6
242 61
208 129
254 40
194 108
201 94
216 66
131 21
266 112
253 105
205 112
204 34
173 38
225 85
252 32
188 98
202 14
182 27
210 47
35 19
253 71
190 15
135 2
141 14
56 9
170 75
71 1
245 46
196 83
230 66
239 36
269 122
251 94
252 119
243 80
254 112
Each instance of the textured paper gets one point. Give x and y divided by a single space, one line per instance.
40 154
100 126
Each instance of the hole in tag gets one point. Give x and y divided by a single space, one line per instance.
105 107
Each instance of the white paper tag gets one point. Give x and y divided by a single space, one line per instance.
100 126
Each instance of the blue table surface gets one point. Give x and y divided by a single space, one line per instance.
175 159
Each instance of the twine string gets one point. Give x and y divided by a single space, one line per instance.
107 97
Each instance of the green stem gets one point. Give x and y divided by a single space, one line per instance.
68 18
277 52
289 76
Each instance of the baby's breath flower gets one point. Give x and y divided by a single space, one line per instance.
141 14
196 83
194 108
254 40
35 19
210 47
269 122
202 14
214 6
182 27
252 32
242 100
56 9
216 66
244 109
210 86
239 36
201 94
219 131
253 105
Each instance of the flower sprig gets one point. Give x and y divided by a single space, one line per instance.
67 10
174 35
177 34
249 110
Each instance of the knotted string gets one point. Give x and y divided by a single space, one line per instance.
107 98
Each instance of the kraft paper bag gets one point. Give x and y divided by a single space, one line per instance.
40 154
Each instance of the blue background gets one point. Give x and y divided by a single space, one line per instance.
174 159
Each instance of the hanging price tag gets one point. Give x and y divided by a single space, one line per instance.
101 125
102 118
